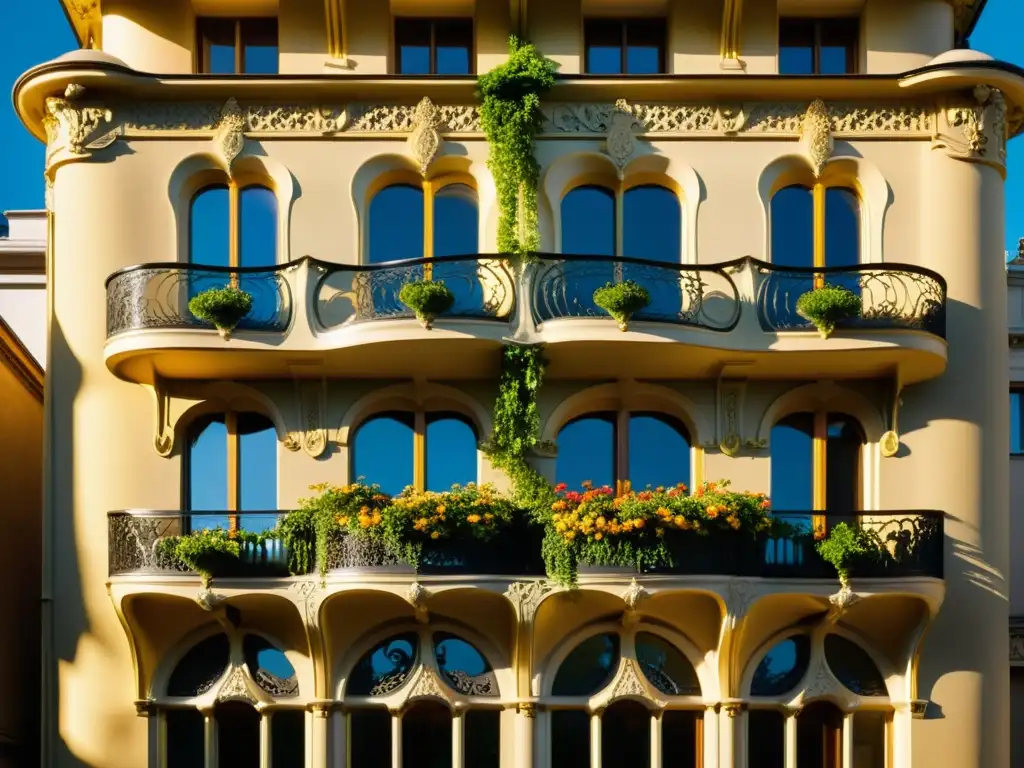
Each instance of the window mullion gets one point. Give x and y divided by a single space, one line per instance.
624 50
234 229
234 465
595 740
429 190
239 48
419 451
820 471
458 739
820 255
816 63
622 451
266 743
433 47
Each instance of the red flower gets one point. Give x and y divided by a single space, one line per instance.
560 487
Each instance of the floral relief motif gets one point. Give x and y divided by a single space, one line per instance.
230 139
236 688
978 129
816 135
526 597
425 140
69 126
620 144
428 685
630 683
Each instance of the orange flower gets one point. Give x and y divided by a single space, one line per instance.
819 534
664 512
473 519
711 512
435 535
598 536
734 522
639 523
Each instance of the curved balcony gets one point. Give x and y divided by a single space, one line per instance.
910 546
349 320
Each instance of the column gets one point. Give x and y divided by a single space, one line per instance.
710 738
154 724
266 745
458 739
396 740
526 719
595 740
726 739
656 718
339 739
791 739
210 738
848 740
318 742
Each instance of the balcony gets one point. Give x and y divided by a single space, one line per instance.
349 320
910 545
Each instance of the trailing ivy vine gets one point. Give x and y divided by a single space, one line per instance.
511 117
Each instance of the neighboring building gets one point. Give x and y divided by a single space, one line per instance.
219 143
23 279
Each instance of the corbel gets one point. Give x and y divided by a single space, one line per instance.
732 19
889 443
632 597
730 400
229 139
425 140
816 136
417 597
163 433
311 407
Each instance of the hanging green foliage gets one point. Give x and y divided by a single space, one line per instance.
511 117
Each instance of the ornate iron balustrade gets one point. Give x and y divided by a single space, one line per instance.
134 537
892 296
909 544
702 296
483 286
157 295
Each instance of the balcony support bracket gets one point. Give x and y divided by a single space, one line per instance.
889 443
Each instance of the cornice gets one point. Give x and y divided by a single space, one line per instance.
19 361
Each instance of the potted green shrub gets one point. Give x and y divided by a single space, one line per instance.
223 307
622 300
428 299
828 306
845 546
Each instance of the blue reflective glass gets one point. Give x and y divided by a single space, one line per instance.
258 230
588 221
1016 432
396 224
269 667
586 451
653 229
257 469
588 668
792 227
208 469
415 59
384 668
451 452
796 60
792 463
220 59
463 667
382 452
261 60
659 452
832 60
604 60
643 59
453 60
842 227
782 667
210 227
456 221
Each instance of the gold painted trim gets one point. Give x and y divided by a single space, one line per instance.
419 450
19 361
732 24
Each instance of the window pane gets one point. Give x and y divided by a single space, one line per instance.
653 224
586 451
588 668
869 747
626 736
838 46
412 42
571 747
218 46
604 47
259 41
396 224
454 41
796 47
679 739
370 738
384 668
842 228
463 667
1016 415
209 227
766 729
200 667
257 470
819 735
842 463
854 667
258 231
288 739
483 738
382 452
588 221
782 667
792 463
238 735
665 666
451 452
270 667
659 451
456 221
207 465
427 736
645 43
792 213
186 739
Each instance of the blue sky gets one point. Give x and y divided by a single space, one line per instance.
44 34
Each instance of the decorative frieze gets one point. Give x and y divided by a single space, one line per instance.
975 128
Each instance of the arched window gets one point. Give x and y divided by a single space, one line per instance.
238 735
426 727
624 449
201 667
269 667
816 466
409 218
231 466
231 225
641 219
427 450
811 227
817 729
627 727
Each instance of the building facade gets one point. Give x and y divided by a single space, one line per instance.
322 168
23 279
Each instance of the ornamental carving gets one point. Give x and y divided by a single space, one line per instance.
526 597
839 603
740 597
69 126
976 128
634 595
311 595
425 141
816 136
236 688
417 597
380 118
312 434
429 686
230 139
620 144
630 683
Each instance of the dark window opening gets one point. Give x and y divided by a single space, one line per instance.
818 46
237 46
1016 422
434 46
571 748
819 733
369 734
625 736
238 735
617 47
767 730
427 736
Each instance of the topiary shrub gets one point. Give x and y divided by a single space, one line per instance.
622 300
428 299
223 307
844 546
828 306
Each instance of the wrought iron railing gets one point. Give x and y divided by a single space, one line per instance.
135 536
703 296
907 544
483 286
892 296
157 295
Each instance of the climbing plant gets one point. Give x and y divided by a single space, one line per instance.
511 117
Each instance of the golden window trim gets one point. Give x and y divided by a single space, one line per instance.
235 186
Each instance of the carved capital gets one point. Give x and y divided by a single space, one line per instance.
145 707
236 688
734 708
918 708
527 709
69 127
975 128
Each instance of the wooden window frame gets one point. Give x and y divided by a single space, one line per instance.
820 473
202 56
432 22
843 25
624 25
